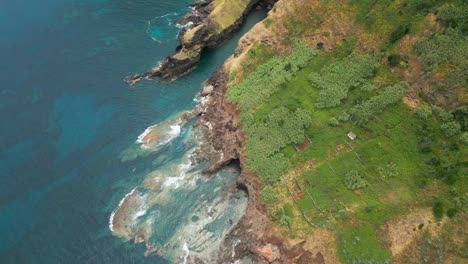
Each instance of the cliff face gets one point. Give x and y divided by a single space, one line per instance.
210 23
255 236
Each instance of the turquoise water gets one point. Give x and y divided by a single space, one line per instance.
67 116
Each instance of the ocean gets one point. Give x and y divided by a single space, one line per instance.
71 139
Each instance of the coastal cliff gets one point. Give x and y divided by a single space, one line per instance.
377 69
392 58
208 25
254 237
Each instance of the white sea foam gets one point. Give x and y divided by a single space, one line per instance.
140 213
111 219
186 250
175 130
144 134
175 182
167 135
188 24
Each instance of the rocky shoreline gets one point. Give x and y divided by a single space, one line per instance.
203 29
254 237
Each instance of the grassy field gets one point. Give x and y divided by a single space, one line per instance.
406 160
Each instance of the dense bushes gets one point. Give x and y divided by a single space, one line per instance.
268 195
265 139
354 181
268 78
333 121
423 112
448 50
362 113
284 215
438 210
394 60
461 116
454 16
398 33
451 128
449 47
336 79
387 171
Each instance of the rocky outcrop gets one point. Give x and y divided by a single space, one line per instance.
210 23
224 143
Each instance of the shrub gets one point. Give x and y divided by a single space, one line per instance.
464 138
281 217
368 87
267 22
354 181
398 33
387 171
451 128
268 195
361 113
454 16
343 117
265 139
336 79
269 77
394 60
450 47
423 112
460 114
452 212
333 122
442 114
438 210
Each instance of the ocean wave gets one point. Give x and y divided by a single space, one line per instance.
159 33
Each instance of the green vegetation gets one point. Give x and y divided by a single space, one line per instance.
362 113
354 181
361 245
269 77
284 215
424 112
387 171
269 195
438 210
335 80
451 128
408 155
394 60
333 121
265 139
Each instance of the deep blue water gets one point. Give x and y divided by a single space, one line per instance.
66 115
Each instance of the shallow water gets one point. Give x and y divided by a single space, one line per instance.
67 116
